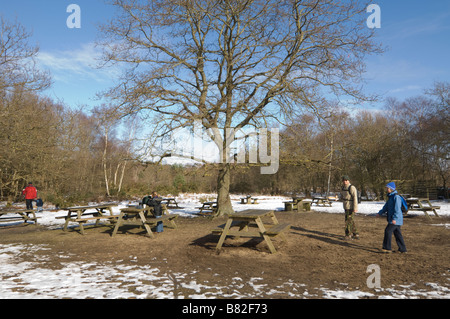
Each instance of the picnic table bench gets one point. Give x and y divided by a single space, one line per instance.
209 207
249 223
78 214
321 201
421 204
297 203
24 214
142 217
249 199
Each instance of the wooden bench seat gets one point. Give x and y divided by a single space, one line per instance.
168 217
24 215
217 231
75 215
425 208
162 218
8 219
94 218
220 228
277 229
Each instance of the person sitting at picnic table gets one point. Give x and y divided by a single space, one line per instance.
157 209
30 194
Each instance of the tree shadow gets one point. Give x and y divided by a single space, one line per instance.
332 239
210 242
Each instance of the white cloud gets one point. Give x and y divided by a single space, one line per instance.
79 64
424 25
406 89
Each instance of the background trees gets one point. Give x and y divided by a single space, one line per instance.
62 151
407 141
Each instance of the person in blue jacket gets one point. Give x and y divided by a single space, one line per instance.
393 208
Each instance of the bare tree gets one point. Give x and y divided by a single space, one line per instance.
18 66
235 64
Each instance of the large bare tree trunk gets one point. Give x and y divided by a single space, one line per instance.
223 191
104 164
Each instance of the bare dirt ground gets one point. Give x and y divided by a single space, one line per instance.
315 254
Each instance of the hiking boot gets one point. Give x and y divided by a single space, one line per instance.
347 238
356 236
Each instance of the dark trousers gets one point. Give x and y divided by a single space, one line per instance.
29 203
393 229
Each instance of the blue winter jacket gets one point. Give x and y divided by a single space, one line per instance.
393 208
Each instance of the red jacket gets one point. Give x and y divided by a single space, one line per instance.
30 192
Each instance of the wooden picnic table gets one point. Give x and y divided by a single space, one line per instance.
142 216
170 200
24 214
249 200
78 214
249 223
209 207
297 203
421 204
321 201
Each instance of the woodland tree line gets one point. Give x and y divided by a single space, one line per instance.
72 157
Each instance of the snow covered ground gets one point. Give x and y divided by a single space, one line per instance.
121 279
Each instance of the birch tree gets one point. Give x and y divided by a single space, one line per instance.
115 153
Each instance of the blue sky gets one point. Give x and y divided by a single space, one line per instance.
416 32
69 54
417 36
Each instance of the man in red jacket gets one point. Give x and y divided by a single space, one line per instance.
30 193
